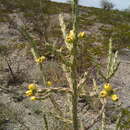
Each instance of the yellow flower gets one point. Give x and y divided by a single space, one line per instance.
29 93
40 59
81 35
49 83
37 60
114 97
103 93
107 87
70 37
33 98
32 86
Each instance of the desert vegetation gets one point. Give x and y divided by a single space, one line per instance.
61 67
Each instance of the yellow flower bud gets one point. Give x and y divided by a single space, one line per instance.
29 93
32 86
114 97
33 98
82 35
103 93
37 60
107 87
49 83
40 59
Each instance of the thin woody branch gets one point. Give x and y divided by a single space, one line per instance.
55 90
96 119
82 80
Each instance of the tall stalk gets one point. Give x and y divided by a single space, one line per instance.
74 65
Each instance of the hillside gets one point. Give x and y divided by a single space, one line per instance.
99 23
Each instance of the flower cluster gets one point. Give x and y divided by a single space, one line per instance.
32 89
70 37
108 92
40 59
